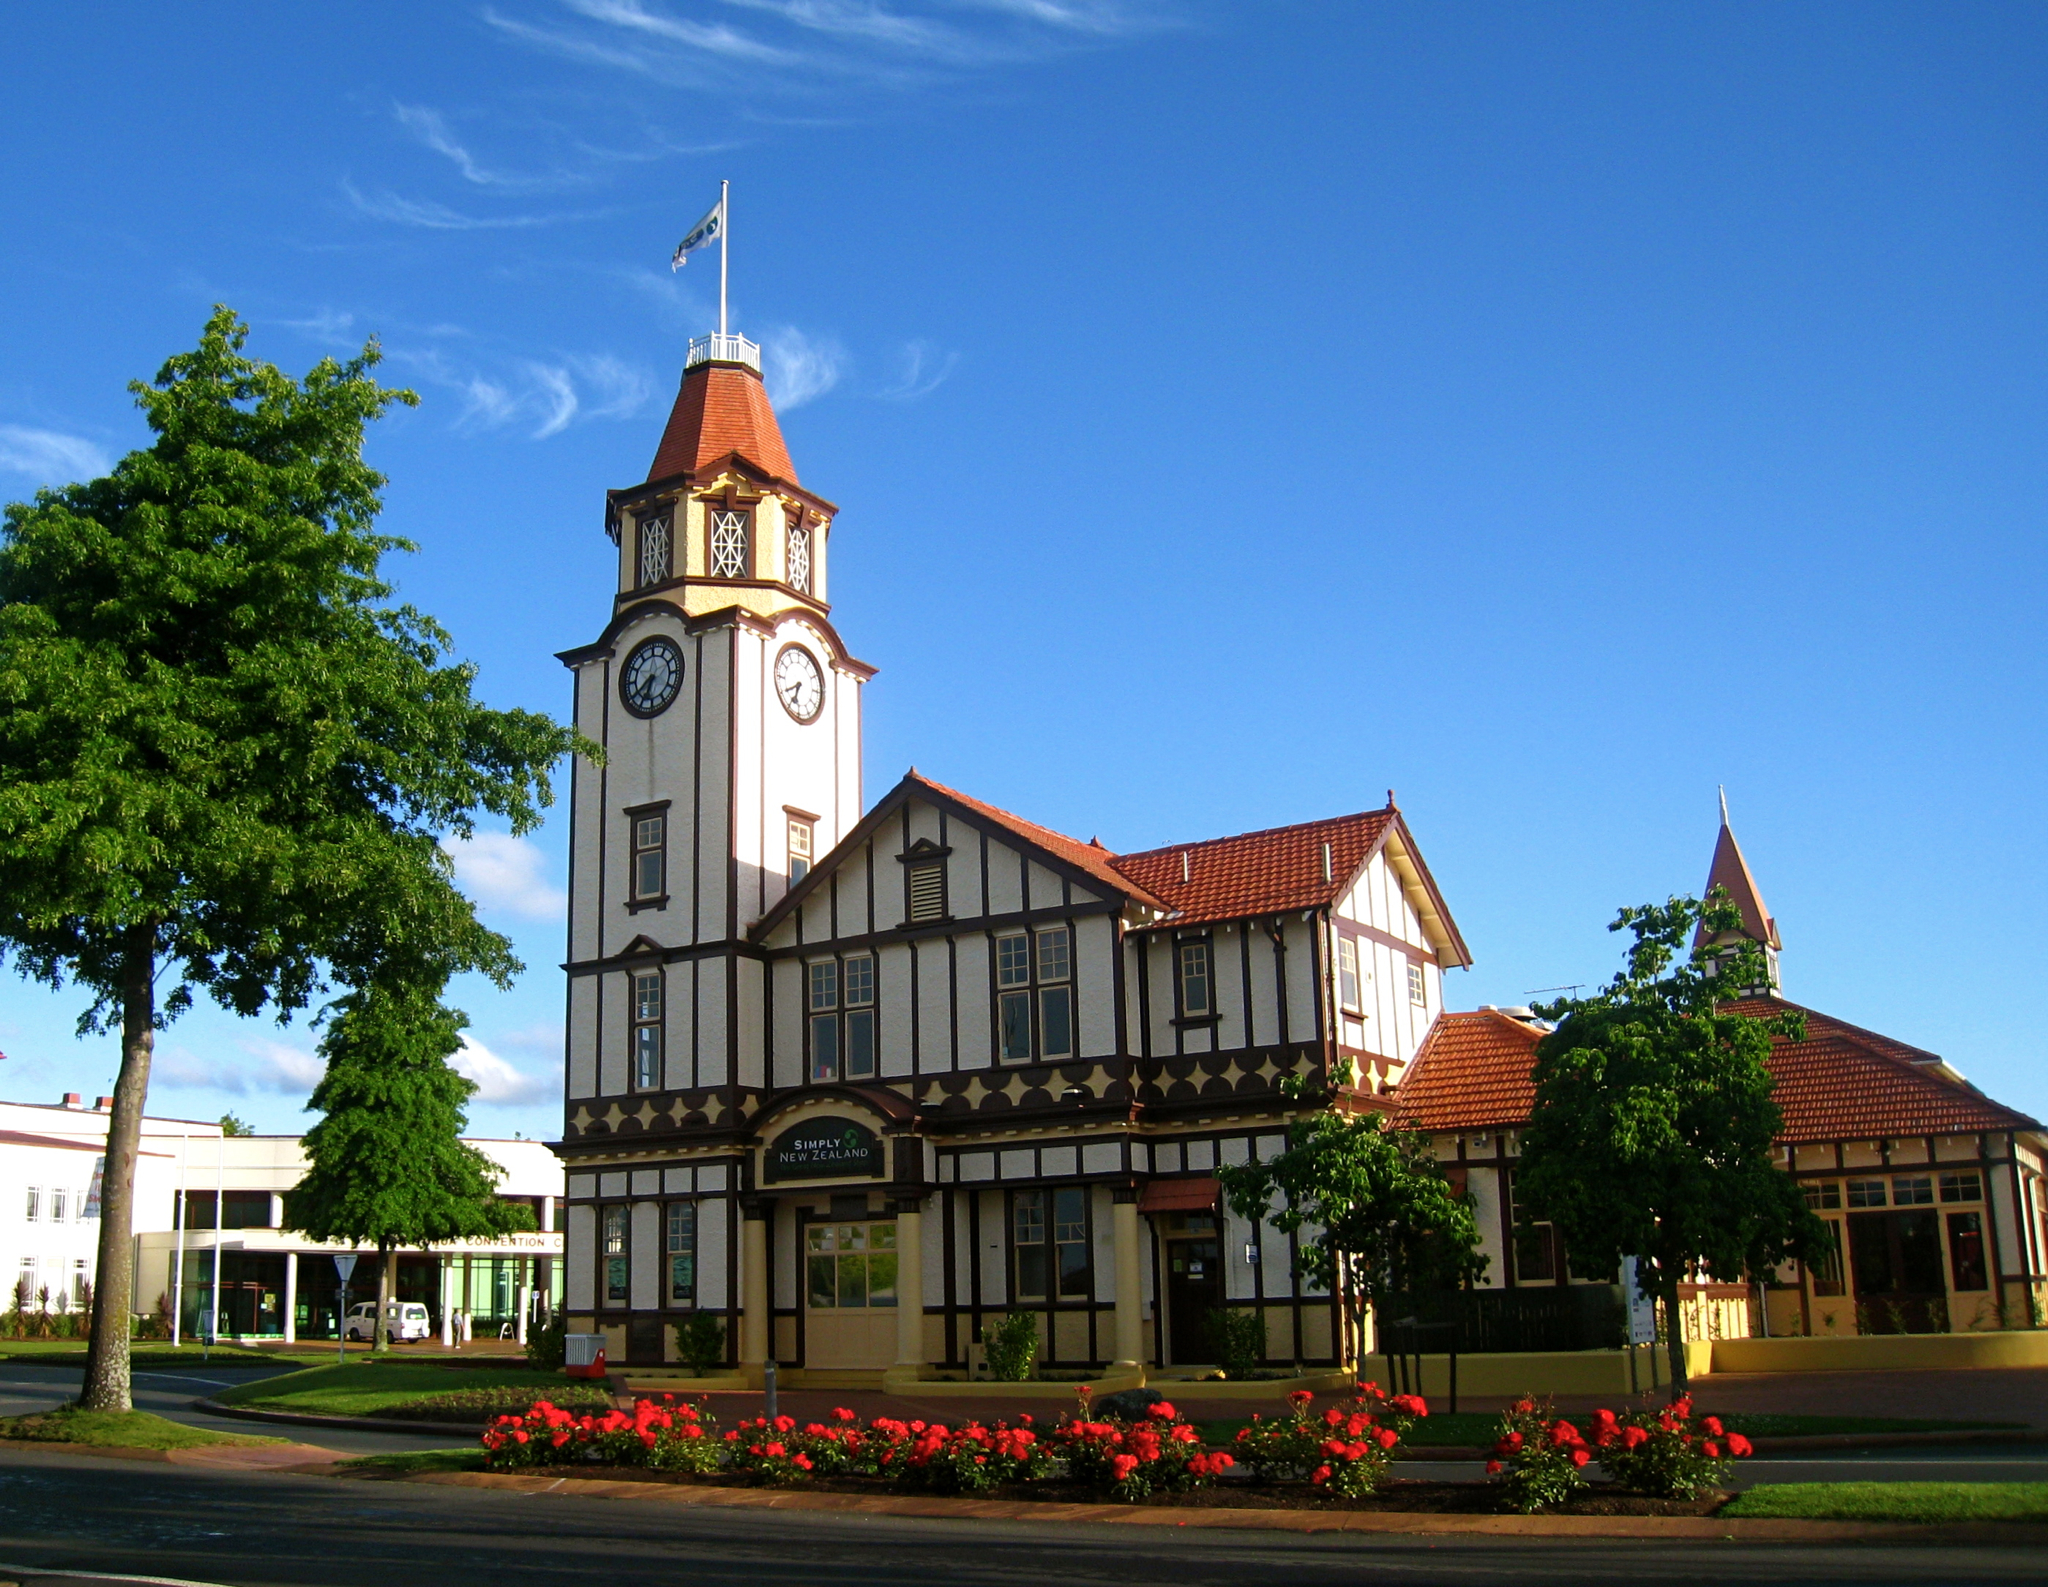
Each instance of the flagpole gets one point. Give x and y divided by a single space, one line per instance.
724 228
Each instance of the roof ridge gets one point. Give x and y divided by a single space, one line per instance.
1260 832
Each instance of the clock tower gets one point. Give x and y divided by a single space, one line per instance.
729 711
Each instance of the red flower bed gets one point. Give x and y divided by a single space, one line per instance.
1128 1460
1349 1451
660 1434
1541 1459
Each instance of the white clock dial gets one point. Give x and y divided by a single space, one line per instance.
650 678
799 685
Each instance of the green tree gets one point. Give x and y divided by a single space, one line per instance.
386 1166
225 757
1653 1125
230 1125
1376 1214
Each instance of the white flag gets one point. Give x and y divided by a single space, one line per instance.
702 235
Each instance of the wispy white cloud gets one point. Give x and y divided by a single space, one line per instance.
49 457
801 368
507 874
498 1084
548 396
558 395
429 215
921 368
258 1066
330 327
712 40
618 390
432 129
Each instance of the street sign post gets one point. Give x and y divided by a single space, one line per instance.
344 1265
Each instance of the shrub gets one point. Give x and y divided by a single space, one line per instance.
700 1342
1127 1461
1240 1340
1665 1454
547 1346
1347 1451
967 1459
1012 1346
1539 1459
770 1452
660 1434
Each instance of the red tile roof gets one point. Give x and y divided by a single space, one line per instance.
1091 858
1470 1073
1842 1083
721 408
1258 873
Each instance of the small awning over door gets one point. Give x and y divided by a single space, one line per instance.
1179 1195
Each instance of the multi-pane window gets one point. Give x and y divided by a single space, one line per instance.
1827 1269
1192 975
1418 988
1347 974
650 855
1535 1242
35 1204
802 838
612 1237
60 1205
1866 1193
842 1015
729 535
925 884
799 566
1818 1195
682 1253
1049 1230
849 1265
1961 1187
1035 994
646 1030
656 554
1917 1191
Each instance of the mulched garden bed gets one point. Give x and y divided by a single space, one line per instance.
1425 1498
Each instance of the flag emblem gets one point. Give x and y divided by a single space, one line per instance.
702 235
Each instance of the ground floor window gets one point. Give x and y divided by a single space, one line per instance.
850 1265
614 1239
1049 1230
682 1253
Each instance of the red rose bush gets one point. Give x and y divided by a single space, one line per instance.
1540 1459
661 1435
1128 1460
1347 1451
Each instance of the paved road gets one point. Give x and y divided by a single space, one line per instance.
75 1512
25 1388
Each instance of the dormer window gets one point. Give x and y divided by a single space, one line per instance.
656 549
797 563
731 534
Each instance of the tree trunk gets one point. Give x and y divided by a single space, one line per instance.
1668 1273
387 1290
106 1357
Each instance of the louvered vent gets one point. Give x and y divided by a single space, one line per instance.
927 892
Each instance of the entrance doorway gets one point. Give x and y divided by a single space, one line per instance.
1897 1262
850 1294
1194 1284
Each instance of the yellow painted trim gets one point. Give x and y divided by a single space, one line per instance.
1884 1352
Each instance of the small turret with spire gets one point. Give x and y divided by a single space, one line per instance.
1731 871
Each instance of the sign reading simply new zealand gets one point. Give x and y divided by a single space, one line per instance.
825 1149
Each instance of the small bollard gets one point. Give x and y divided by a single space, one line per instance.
769 1409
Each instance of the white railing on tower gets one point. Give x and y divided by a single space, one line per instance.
721 349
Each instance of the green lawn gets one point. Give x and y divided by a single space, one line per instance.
145 1354
364 1386
469 1459
116 1430
1895 1501
1470 1428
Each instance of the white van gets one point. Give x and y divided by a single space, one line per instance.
404 1319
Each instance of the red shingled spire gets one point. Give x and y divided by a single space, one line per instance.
1731 870
722 408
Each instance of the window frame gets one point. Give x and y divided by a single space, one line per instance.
610 1260
663 518
637 850
1046 1202
799 534
670 1252
797 826
1033 985
1418 984
852 1005
646 1030
1961 1186
34 1204
1197 943
714 567
1350 983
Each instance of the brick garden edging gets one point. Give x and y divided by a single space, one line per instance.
1673 1527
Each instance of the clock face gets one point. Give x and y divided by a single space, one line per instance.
651 677
799 684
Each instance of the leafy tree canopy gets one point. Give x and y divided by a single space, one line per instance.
1653 1128
231 1125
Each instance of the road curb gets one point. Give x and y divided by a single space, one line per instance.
1670 1527
375 1424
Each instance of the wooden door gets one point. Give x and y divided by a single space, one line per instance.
1897 1261
1194 1289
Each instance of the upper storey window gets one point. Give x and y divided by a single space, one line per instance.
1196 980
1418 988
803 837
731 543
657 547
1347 973
1035 995
842 1019
798 561
650 855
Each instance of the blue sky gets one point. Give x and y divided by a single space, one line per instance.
1550 412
